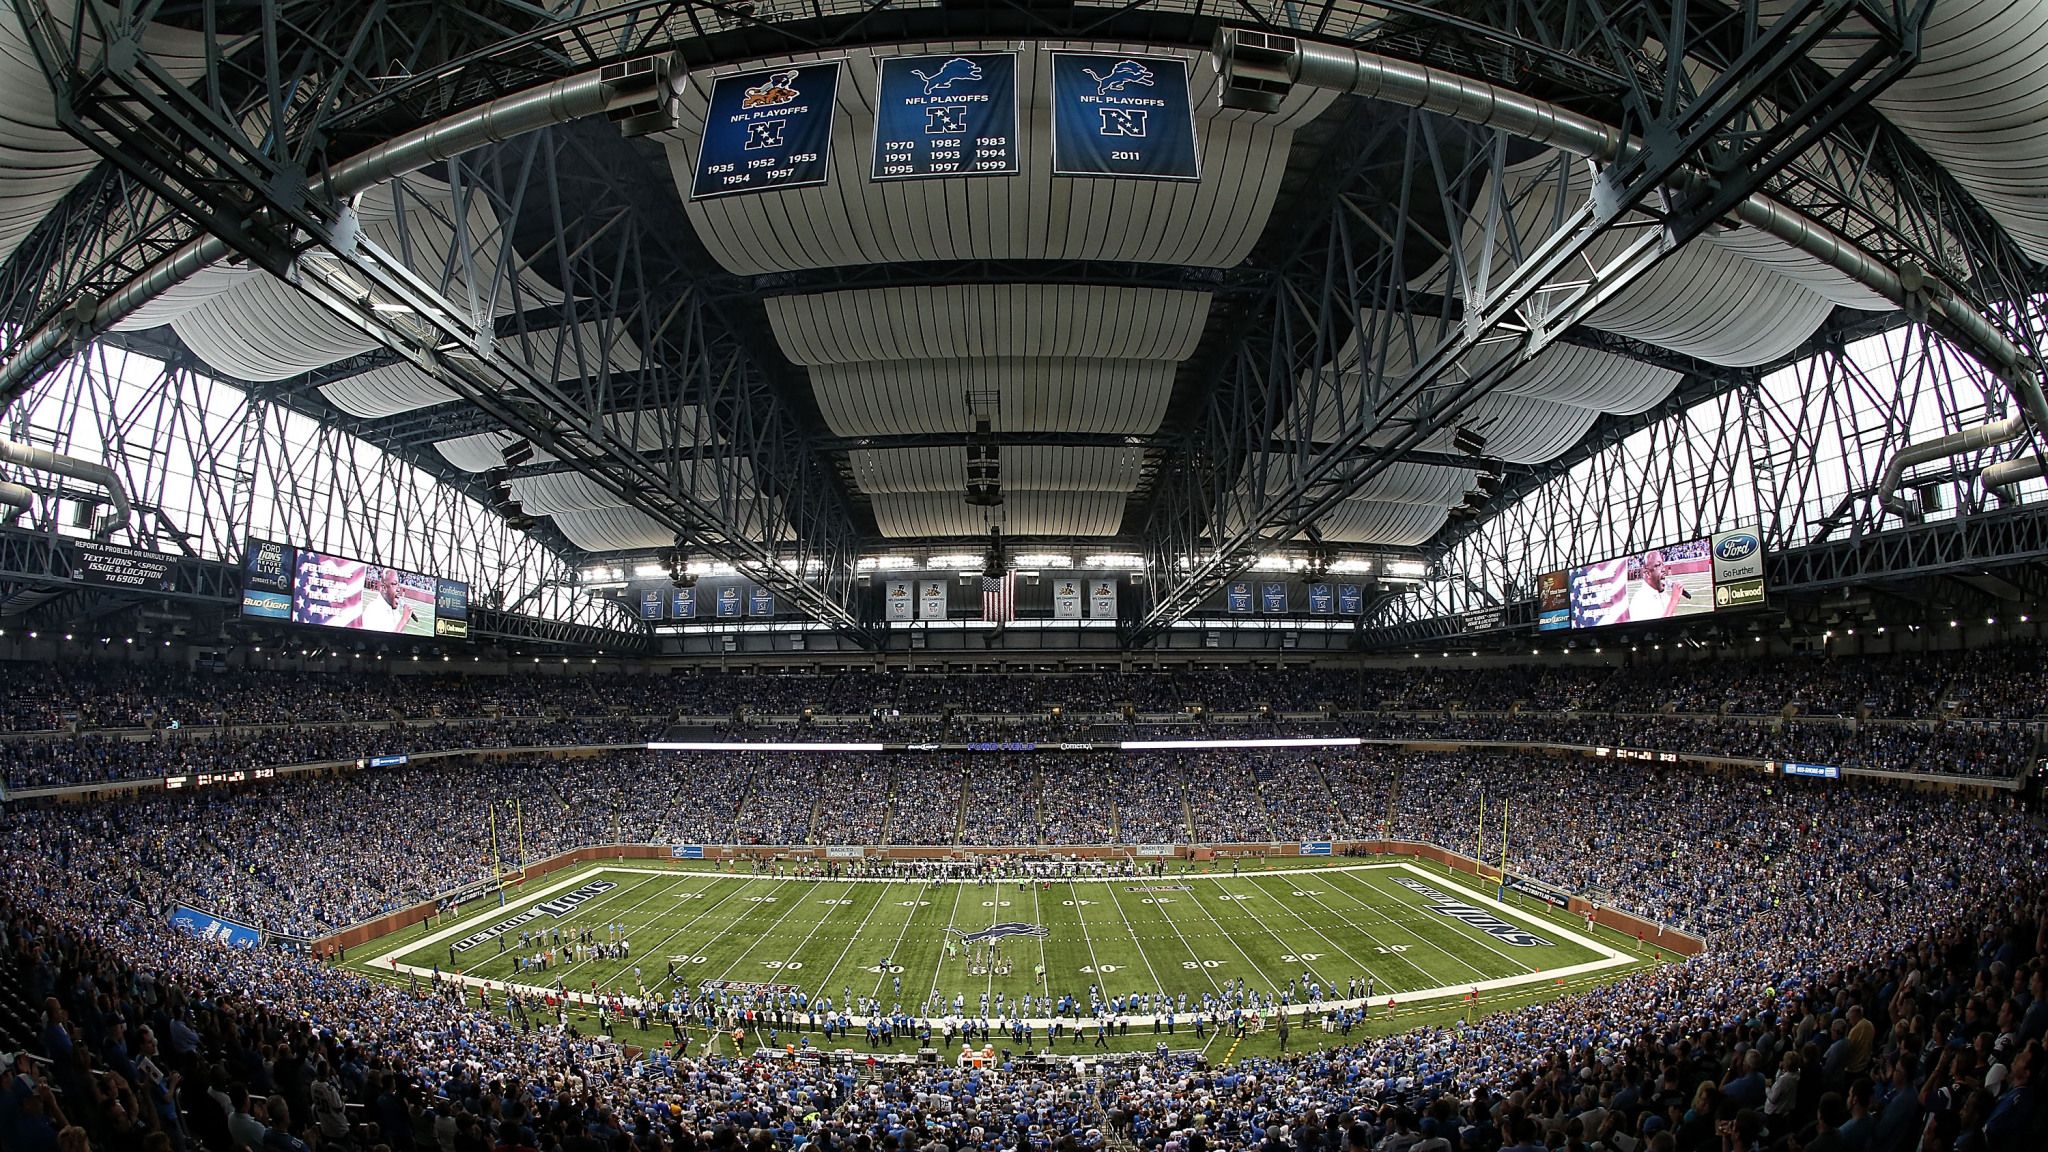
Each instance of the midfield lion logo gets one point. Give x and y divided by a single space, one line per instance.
958 68
779 88
999 932
1125 72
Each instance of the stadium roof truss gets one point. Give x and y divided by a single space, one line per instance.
1629 268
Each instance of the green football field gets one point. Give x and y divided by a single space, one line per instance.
1439 946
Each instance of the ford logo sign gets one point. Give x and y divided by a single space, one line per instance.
1739 546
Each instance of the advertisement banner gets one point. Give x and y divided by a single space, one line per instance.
728 603
946 116
1122 116
768 129
1553 601
1315 848
1485 619
1321 601
119 567
682 603
1237 596
1813 771
451 609
267 569
897 602
686 852
1273 596
214 928
844 852
761 603
931 599
650 603
1102 597
1066 598
1350 600
1738 568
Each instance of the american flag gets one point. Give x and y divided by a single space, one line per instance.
1599 593
330 591
999 597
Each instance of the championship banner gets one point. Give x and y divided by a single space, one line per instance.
761 603
1321 602
683 604
728 603
1122 116
451 609
1738 569
214 928
946 116
1273 596
931 599
650 603
1237 597
897 602
267 569
119 567
768 129
1350 600
1066 598
1102 598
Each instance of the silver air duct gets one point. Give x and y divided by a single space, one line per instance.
44 460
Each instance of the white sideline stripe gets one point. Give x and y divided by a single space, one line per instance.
1610 958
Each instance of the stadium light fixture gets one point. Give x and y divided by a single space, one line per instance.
1955 623
1987 620
1045 560
1352 565
1115 560
31 635
953 560
1405 569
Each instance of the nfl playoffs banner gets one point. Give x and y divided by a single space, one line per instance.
1066 598
650 603
1273 596
1237 596
931 599
728 601
767 129
946 116
1102 598
896 600
1122 116
683 604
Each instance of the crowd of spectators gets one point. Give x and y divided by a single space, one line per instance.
1928 713
1876 980
1223 797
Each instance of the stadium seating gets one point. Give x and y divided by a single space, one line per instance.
1889 943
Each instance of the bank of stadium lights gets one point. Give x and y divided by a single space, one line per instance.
885 564
968 562
1044 560
1128 560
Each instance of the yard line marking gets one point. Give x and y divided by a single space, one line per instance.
1135 942
1175 925
1074 896
1376 941
1457 930
798 950
715 906
574 965
825 983
758 940
1254 965
939 968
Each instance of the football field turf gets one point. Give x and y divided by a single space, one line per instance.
1438 946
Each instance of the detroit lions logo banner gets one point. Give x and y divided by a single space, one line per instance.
1122 116
768 129
946 116
1000 931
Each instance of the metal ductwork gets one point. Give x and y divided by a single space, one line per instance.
1968 440
1259 68
613 88
14 496
44 460
2006 473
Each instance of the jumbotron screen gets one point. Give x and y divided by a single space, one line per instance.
1687 579
307 587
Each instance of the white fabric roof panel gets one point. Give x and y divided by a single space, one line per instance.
613 530
1376 522
851 220
1977 101
557 492
1040 394
396 388
1025 468
39 161
954 321
1736 303
937 514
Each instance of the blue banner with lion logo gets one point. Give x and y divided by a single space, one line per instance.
1122 116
